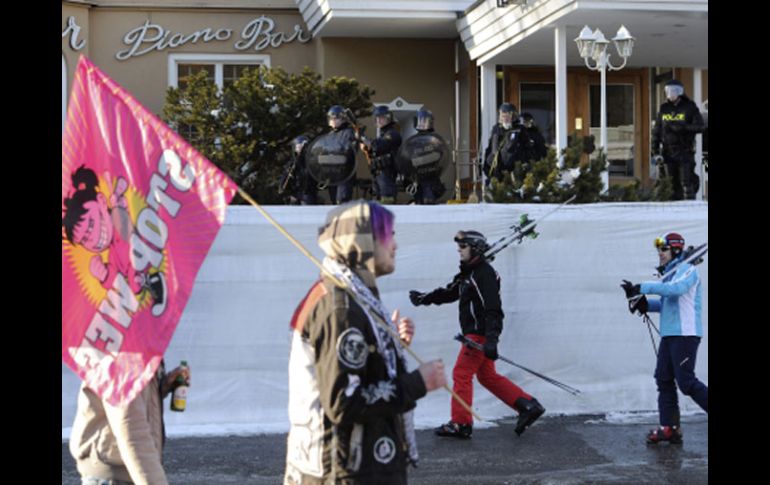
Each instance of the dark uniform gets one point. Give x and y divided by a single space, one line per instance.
296 182
535 148
506 147
345 137
384 151
429 189
675 128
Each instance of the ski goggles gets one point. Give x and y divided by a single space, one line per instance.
661 244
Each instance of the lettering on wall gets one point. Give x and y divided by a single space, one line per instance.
259 34
73 30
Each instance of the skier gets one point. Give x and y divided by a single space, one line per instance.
477 287
680 331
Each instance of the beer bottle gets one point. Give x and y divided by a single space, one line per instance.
179 398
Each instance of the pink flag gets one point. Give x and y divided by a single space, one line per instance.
140 209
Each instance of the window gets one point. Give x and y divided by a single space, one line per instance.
223 69
539 100
620 126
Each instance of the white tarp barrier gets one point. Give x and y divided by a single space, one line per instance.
565 314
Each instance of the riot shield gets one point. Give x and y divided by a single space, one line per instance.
330 158
423 155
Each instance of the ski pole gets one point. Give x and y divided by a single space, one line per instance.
650 326
470 343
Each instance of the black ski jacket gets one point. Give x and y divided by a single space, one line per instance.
477 286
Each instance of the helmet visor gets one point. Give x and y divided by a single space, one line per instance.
673 91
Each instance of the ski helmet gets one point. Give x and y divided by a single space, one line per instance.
672 240
474 239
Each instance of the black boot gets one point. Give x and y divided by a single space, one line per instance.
455 430
529 410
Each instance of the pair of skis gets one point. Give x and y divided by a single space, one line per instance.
525 228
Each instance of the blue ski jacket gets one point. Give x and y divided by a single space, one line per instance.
680 302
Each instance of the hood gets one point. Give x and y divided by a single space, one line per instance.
347 238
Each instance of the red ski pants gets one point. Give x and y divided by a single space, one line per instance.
472 362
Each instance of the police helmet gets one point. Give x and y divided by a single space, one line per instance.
384 111
527 120
335 111
508 108
423 117
301 139
673 89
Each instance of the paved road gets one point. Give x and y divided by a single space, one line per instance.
557 450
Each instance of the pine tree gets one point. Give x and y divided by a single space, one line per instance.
247 128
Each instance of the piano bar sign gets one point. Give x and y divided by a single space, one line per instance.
259 34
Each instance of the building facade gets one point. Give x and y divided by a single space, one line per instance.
458 58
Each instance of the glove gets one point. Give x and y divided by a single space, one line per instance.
490 349
638 304
630 288
657 159
417 298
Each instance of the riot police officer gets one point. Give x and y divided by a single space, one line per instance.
535 149
507 143
295 181
676 125
383 151
429 188
345 136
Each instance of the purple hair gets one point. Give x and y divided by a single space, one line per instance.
382 222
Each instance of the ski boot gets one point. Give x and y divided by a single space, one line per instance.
456 430
529 410
672 434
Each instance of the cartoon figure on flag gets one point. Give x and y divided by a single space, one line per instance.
140 210
103 228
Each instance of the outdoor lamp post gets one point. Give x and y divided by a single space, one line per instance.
593 45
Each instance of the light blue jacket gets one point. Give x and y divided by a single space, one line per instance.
680 302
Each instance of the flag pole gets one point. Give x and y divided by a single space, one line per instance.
341 285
